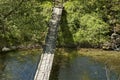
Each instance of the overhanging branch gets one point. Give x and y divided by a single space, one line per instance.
13 10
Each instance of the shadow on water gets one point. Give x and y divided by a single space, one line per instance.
81 68
2 62
55 68
59 60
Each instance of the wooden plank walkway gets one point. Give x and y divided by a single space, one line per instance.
44 67
45 63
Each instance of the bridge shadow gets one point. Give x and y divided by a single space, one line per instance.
62 57
65 39
2 62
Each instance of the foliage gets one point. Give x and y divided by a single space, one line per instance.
92 30
88 21
26 21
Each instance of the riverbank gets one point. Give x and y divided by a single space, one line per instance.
110 58
21 47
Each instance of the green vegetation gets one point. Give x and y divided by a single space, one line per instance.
83 22
23 21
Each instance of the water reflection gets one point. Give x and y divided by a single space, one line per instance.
84 68
22 65
18 65
2 63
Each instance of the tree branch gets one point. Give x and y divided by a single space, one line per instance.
7 15
2 26
107 73
13 10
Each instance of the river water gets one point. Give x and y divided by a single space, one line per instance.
21 65
84 68
18 65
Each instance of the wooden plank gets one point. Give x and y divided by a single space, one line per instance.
44 67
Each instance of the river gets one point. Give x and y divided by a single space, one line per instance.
21 65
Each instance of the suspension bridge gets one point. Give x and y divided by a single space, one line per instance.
45 63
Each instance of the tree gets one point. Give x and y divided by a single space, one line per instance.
23 21
26 21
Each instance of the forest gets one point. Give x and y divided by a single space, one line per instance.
84 23
35 44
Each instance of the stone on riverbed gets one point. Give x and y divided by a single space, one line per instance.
6 49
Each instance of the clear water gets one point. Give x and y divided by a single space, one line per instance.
18 65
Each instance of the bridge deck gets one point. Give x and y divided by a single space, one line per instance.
44 67
45 64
